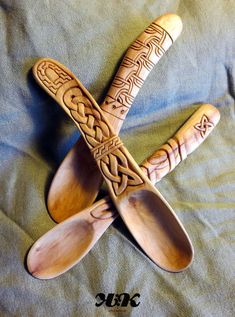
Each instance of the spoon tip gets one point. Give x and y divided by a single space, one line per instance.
172 23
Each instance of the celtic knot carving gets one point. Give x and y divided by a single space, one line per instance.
105 146
204 126
135 67
116 168
52 76
90 120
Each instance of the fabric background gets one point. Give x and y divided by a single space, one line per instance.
90 37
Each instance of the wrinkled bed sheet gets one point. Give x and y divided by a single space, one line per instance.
90 38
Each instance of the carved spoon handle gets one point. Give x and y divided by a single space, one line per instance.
139 203
166 158
117 166
98 217
184 142
139 60
67 195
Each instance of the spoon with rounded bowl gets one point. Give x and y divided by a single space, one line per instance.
78 180
68 242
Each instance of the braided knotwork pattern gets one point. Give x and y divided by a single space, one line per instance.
104 145
107 147
116 168
90 120
204 126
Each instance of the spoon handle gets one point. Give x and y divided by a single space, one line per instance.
140 58
184 142
118 168
100 215
165 159
136 65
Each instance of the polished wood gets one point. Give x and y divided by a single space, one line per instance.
68 242
77 181
141 206
184 142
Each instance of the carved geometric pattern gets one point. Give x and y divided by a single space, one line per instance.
112 162
105 146
90 120
142 56
52 76
116 168
204 126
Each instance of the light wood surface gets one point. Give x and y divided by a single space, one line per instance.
79 170
145 212
67 243
183 143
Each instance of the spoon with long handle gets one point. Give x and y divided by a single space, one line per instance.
68 242
145 212
78 180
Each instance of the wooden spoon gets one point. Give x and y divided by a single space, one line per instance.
140 205
68 242
79 171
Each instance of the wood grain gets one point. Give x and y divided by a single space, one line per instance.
146 213
66 195
183 143
68 242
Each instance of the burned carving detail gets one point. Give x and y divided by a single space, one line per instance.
134 69
104 210
204 126
52 76
165 159
104 145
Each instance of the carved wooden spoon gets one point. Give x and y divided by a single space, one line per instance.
145 212
78 180
68 242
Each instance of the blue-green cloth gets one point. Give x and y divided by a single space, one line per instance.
90 37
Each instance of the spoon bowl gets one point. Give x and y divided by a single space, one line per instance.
67 243
124 178
67 195
173 251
